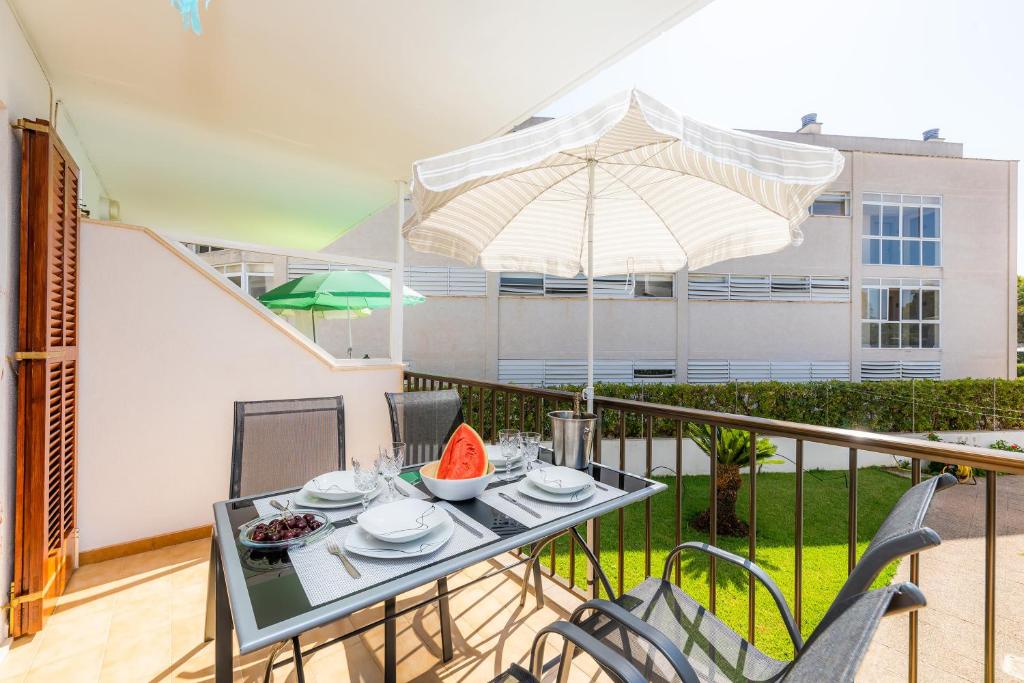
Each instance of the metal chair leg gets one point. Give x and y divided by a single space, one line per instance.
268 674
211 594
565 664
444 612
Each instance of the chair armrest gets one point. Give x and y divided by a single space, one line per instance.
613 664
754 570
644 630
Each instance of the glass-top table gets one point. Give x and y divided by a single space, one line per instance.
260 596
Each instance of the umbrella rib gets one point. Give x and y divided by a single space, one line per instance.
642 163
511 176
655 212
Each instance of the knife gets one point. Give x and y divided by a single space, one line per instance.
518 504
465 525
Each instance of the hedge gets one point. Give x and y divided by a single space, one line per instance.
894 406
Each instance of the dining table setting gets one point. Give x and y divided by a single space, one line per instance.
289 561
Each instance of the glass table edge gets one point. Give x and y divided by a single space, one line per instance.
251 637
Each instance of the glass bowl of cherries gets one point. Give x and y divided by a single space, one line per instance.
284 530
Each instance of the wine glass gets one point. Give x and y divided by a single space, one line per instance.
511 441
366 480
392 460
531 448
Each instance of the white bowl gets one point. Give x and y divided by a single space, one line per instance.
340 485
403 520
454 489
559 480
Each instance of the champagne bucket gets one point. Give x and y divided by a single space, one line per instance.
572 438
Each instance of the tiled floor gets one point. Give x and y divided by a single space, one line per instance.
141 618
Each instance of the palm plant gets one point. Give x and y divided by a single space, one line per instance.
733 452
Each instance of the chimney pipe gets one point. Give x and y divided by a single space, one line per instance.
809 124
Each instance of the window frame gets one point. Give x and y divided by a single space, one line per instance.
877 330
835 198
877 242
245 273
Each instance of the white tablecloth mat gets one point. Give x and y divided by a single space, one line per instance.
263 506
547 511
324 578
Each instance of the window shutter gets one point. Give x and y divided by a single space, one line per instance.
45 535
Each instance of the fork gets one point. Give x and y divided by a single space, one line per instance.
334 549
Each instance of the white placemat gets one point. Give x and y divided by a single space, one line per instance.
547 511
263 506
323 577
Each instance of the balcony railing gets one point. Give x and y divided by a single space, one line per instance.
490 406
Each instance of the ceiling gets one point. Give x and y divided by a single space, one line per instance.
287 123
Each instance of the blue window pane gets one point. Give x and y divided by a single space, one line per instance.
891 252
911 252
890 221
930 221
911 221
872 251
869 335
911 336
890 335
872 219
931 255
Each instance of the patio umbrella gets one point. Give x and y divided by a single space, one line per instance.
628 186
337 293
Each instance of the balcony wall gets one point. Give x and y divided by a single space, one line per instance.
166 348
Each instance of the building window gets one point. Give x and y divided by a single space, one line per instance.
550 372
253 278
732 287
900 314
831 204
640 286
902 230
725 371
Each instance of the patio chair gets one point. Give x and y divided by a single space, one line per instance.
656 622
285 443
280 444
423 421
833 652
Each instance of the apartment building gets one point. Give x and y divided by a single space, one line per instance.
907 270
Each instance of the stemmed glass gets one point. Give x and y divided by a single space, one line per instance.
531 448
511 441
391 460
366 479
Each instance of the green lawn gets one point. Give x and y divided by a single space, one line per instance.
825 533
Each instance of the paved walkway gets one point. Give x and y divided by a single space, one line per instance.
952 633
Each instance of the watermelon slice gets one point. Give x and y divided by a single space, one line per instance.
465 456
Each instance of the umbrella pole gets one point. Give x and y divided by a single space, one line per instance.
350 333
589 390
312 319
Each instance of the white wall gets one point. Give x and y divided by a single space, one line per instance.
24 93
164 352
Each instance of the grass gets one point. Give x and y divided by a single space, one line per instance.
824 550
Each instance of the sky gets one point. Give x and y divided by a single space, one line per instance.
878 68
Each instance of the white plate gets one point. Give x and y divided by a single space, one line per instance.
528 489
403 520
494 455
304 499
340 485
559 480
359 542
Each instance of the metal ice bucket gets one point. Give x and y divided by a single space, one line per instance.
572 438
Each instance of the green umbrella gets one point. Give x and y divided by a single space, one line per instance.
337 290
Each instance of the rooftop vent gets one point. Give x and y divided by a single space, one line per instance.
931 134
809 124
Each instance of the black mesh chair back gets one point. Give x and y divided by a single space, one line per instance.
423 421
901 533
282 444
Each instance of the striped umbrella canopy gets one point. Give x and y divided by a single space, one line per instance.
354 292
627 186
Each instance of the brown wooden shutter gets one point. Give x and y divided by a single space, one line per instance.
46 533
